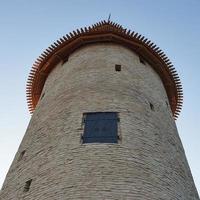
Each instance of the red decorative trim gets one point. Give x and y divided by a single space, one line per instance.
104 31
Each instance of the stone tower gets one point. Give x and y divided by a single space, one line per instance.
104 102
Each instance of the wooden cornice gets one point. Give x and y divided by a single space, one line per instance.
104 32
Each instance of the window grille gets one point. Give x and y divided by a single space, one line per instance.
100 127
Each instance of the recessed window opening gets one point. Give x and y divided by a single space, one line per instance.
27 185
151 106
42 95
142 60
65 60
100 127
21 155
117 68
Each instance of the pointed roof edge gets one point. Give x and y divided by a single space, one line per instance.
104 31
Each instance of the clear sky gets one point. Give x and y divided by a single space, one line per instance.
28 27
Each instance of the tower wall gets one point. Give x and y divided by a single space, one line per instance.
147 163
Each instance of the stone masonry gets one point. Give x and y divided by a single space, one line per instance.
148 163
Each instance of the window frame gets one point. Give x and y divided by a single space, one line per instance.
118 132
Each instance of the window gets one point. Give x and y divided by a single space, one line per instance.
118 68
27 185
142 60
21 155
151 106
100 127
42 95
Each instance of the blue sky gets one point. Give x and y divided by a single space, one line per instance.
28 27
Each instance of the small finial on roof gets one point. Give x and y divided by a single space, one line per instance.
109 17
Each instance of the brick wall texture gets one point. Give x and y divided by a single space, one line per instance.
148 163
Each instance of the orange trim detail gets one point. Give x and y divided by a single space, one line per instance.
105 31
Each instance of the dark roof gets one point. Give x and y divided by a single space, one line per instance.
104 31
